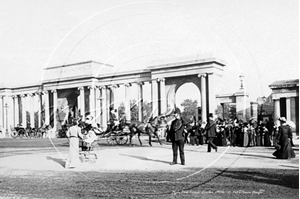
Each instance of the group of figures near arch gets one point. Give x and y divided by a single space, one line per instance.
245 134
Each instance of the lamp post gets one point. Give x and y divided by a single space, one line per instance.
6 108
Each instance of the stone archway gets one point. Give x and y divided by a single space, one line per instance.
174 83
67 106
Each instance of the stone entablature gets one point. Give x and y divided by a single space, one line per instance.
285 84
82 70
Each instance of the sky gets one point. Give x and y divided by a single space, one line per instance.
256 38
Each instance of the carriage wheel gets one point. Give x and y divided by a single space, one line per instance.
21 133
111 139
14 134
121 140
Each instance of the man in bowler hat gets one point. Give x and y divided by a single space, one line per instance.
177 137
210 130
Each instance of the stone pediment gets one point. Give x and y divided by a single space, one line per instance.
89 69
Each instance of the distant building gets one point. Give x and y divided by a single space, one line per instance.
285 95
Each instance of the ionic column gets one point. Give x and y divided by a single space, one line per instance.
163 101
104 103
112 95
47 108
15 110
32 109
211 94
2 111
5 122
276 108
140 100
154 97
98 105
127 101
40 104
82 103
288 108
24 122
54 109
203 96
92 101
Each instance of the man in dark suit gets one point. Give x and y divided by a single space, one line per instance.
210 130
177 137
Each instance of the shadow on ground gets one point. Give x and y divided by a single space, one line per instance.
57 160
287 178
146 159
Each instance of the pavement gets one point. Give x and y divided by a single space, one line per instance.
155 158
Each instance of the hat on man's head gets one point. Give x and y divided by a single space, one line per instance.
282 119
210 115
177 110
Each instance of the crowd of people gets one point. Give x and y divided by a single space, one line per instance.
214 133
231 132
235 133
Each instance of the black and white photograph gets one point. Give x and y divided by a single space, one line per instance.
149 99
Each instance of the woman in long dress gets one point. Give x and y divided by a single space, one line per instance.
73 133
245 134
284 147
251 135
266 136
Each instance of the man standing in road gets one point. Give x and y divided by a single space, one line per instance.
177 137
210 130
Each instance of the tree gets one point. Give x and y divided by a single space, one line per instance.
189 108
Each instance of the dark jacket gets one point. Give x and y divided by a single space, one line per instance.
177 130
210 129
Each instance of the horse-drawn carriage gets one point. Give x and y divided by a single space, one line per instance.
125 130
28 132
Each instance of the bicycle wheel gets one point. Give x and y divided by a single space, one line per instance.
14 134
122 139
111 139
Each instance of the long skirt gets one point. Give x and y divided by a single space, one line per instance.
251 141
267 140
245 139
73 158
285 152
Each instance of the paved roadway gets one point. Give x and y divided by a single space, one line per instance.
205 174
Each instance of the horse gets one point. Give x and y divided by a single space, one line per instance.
150 127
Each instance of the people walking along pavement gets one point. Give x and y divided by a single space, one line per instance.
210 130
